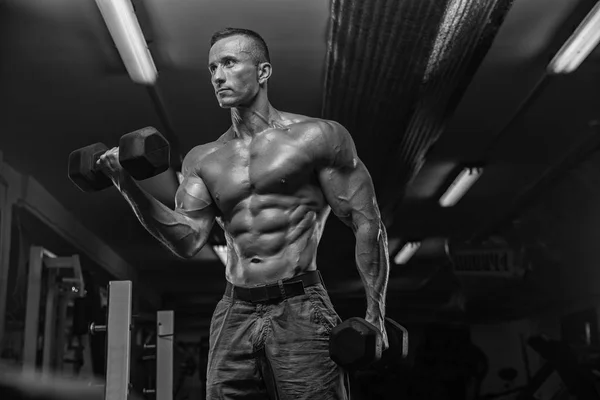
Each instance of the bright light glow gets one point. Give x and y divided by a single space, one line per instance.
221 252
579 45
407 251
125 30
460 186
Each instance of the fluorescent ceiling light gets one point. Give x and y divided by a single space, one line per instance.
407 251
221 252
125 30
579 45
460 186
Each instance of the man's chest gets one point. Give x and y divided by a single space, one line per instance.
268 164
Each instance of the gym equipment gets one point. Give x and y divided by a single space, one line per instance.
578 368
63 282
567 372
356 344
118 340
397 352
118 345
143 154
165 330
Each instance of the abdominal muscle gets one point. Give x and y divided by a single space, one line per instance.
271 238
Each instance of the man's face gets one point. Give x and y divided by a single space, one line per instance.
234 73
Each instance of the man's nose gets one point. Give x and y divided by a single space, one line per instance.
218 76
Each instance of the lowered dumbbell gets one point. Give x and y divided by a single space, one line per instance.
143 154
356 344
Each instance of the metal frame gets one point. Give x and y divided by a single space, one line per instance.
60 339
25 192
118 340
55 307
50 332
8 198
165 335
32 317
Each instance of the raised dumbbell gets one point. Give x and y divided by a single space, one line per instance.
143 154
356 344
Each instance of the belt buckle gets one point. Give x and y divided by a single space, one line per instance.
259 293
290 286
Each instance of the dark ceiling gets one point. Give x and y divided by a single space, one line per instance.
424 86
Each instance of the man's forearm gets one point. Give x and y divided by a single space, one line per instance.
169 227
373 266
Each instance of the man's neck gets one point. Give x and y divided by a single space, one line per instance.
248 121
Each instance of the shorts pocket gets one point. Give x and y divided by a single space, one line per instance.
218 319
323 308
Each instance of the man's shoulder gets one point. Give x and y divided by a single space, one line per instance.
313 125
199 152
328 140
292 119
325 133
203 150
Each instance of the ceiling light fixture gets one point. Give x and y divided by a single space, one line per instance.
579 45
463 182
408 250
221 252
125 30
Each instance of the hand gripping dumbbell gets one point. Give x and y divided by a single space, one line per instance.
143 154
356 344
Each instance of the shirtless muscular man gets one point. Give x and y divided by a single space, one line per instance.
270 182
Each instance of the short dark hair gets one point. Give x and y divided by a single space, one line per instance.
260 51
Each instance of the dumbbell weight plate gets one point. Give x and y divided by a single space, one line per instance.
397 350
83 171
397 338
355 344
144 153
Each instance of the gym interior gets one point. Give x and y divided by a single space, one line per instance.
479 122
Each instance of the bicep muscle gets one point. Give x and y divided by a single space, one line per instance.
350 193
194 201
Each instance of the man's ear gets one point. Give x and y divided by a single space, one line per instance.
264 72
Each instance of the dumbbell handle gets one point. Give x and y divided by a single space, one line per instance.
97 156
94 328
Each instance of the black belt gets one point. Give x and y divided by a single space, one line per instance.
283 289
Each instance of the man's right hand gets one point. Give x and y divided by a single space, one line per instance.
109 164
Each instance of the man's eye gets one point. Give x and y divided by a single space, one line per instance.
228 63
